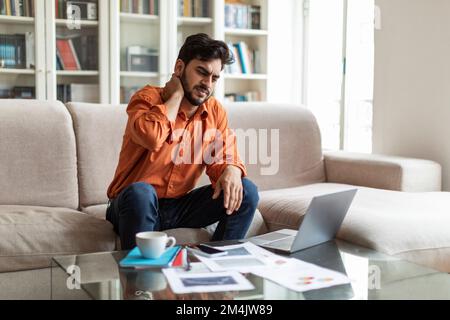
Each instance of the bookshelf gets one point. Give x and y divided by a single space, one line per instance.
47 22
193 16
246 30
125 29
136 34
166 31
22 75
77 61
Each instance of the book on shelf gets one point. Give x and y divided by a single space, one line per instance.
5 93
150 7
77 52
18 93
236 67
247 61
78 93
86 49
88 9
18 8
242 16
23 92
17 51
243 97
243 53
67 55
194 8
134 259
30 57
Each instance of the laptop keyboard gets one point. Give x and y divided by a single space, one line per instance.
282 244
268 238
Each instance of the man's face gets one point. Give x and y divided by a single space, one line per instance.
199 79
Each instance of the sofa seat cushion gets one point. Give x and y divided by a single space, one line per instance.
412 226
32 235
98 211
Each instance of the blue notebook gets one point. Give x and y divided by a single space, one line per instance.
134 259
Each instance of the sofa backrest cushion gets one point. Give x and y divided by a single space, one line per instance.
38 163
99 131
294 159
287 150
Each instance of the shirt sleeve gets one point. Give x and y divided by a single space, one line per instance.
227 154
148 124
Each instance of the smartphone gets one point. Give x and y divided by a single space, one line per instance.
207 251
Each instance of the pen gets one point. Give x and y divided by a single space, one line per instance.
188 261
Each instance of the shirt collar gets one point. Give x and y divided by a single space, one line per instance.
202 111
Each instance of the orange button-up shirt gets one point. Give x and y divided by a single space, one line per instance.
171 156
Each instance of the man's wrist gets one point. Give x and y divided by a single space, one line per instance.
235 169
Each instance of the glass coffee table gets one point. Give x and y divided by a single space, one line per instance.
373 276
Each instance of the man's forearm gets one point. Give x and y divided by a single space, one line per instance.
173 105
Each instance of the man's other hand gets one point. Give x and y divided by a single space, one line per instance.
230 182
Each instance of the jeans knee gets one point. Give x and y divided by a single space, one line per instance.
251 195
141 191
140 200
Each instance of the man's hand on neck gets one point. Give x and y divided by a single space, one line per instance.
173 94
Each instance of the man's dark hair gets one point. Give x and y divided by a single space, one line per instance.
201 46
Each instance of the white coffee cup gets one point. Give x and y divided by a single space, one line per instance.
152 244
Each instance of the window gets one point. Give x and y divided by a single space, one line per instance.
339 71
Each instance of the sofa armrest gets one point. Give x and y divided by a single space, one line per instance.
383 172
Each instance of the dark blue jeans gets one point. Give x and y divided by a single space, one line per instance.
137 209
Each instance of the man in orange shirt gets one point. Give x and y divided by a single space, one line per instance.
172 135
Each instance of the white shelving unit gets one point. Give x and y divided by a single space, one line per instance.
80 73
35 77
138 18
164 32
187 26
132 29
16 20
245 32
57 28
256 39
167 32
18 71
82 23
46 27
194 21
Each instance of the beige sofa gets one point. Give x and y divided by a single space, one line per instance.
56 162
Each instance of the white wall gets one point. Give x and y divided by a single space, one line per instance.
412 81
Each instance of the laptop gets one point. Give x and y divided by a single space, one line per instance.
321 223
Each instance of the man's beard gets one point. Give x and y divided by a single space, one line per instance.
189 95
